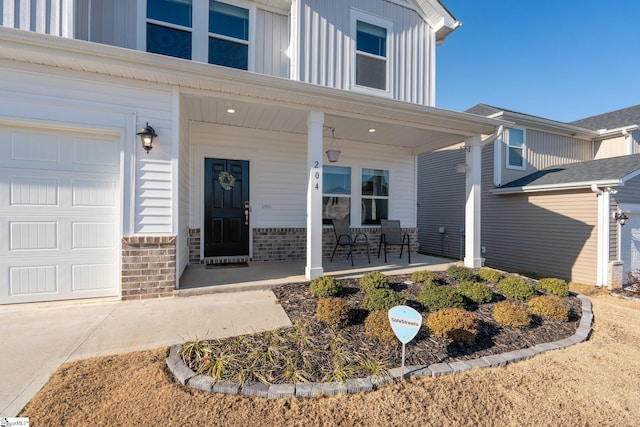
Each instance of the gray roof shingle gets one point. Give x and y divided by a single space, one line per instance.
613 168
612 120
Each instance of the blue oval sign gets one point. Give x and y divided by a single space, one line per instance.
405 322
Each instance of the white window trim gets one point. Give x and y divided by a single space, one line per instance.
357 15
524 150
200 29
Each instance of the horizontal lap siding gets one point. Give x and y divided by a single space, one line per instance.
326 47
441 202
278 172
95 99
553 234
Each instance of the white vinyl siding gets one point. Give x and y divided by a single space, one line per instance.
92 101
610 148
112 22
326 46
272 44
278 193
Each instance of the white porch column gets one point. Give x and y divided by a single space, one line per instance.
315 121
604 218
472 256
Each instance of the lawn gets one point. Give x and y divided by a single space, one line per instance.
593 383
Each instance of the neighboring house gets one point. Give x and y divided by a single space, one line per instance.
244 97
550 195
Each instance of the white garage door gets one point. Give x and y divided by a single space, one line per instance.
59 215
630 244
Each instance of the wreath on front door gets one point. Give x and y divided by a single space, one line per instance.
226 180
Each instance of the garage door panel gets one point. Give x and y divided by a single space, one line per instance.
59 216
33 281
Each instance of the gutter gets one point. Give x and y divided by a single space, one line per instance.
554 187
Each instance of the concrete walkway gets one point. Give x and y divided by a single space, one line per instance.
37 338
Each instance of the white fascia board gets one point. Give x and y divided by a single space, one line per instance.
613 133
546 125
626 178
554 187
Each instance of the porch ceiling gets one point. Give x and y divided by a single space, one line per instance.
262 102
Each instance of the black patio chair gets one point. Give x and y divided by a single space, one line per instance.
391 234
344 238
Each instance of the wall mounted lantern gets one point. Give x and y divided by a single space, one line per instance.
621 217
146 134
333 154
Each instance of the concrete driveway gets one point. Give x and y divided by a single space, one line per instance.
37 338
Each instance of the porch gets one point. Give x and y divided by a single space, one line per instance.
199 280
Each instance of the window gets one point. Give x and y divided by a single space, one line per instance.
371 55
336 200
169 25
516 149
375 195
228 35
213 31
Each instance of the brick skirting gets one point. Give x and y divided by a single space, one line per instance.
148 267
290 244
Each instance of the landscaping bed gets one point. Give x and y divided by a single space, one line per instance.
312 351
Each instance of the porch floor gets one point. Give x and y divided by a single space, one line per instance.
198 280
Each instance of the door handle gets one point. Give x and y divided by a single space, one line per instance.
246 212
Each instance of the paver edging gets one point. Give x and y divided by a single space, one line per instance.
188 377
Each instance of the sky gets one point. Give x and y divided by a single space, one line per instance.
559 59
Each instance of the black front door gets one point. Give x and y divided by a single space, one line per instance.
226 207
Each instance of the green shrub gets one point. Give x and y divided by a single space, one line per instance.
554 286
435 297
489 275
550 307
382 299
374 280
476 292
425 277
454 323
515 287
333 312
460 273
325 286
377 326
510 313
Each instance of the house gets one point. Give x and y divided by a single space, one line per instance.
552 195
237 102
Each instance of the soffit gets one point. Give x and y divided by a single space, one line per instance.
401 124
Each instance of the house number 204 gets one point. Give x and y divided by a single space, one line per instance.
316 175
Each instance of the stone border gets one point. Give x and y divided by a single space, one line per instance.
187 377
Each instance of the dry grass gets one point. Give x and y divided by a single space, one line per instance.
594 383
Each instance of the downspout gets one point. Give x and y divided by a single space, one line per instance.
603 234
628 141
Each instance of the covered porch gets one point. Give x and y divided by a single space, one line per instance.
199 280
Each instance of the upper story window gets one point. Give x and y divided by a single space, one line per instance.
516 148
336 200
169 27
371 61
375 195
228 35
216 32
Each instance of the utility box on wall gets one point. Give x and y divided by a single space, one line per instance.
616 269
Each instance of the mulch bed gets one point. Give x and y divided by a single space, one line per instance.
426 349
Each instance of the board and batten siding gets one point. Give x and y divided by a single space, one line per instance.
112 22
90 101
272 44
441 202
53 17
326 46
278 173
545 150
